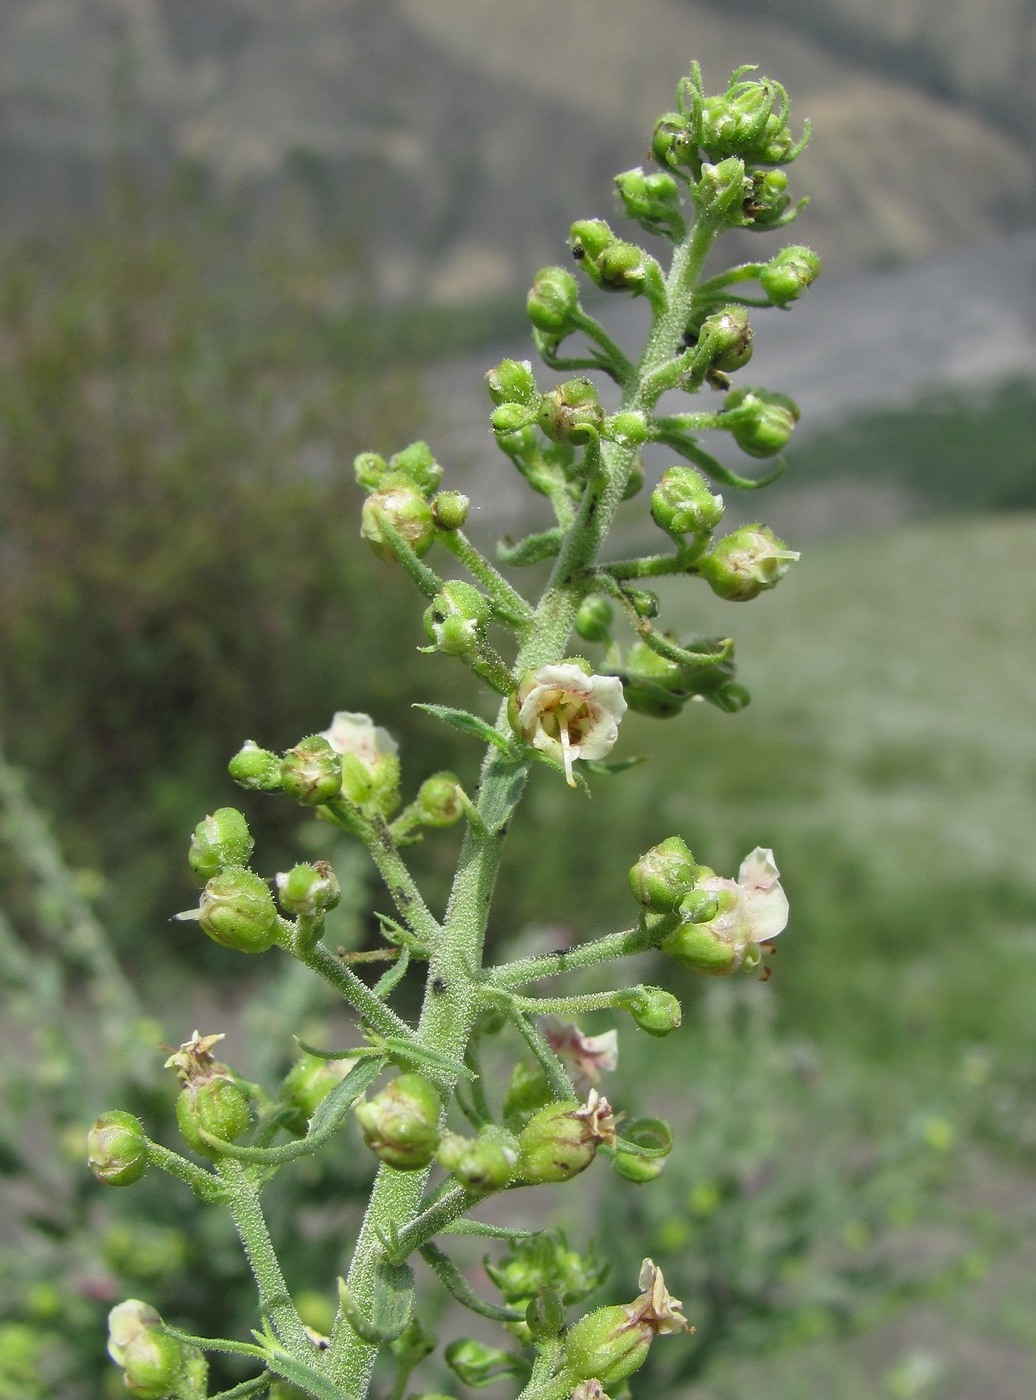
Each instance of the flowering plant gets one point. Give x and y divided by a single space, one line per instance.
418 1092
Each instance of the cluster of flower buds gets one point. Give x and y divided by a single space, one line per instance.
545 1262
652 200
155 1365
404 501
614 265
724 925
211 1100
481 1164
686 508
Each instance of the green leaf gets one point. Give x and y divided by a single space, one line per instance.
391 1307
469 724
455 1284
306 1377
605 769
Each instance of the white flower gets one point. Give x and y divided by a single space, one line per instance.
753 908
356 734
656 1306
588 1055
568 714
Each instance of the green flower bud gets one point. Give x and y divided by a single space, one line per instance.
307 1084
456 619
722 189
308 889
117 1148
561 1140
594 619
697 947
611 1343
663 875
645 603
401 1124
672 144
311 772
699 906
508 418
683 504
371 470
450 509
749 120
653 200
257 769
477 1364
542 1261
628 429
220 840
512 381
237 911
742 565
438 801
155 1364
572 413
761 423
789 274
370 761
485 1163
728 337
589 238
654 1010
417 464
528 1090
553 302
767 198
545 1314
405 507
622 267
216 1105
640 1170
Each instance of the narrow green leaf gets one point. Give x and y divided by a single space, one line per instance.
458 1287
468 723
306 1377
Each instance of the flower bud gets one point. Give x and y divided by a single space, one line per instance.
572 413
438 802
512 381
653 200
683 504
254 768
371 470
307 1084
485 1163
417 464
749 913
117 1148
401 1124
216 1105
761 423
155 1364
788 274
645 602
561 1140
456 619
611 1343
663 875
308 889
654 1010
767 198
728 337
749 120
722 188
589 238
311 772
553 302
450 509
237 911
220 840
545 1314
628 428
370 762
528 1090
672 144
742 565
407 510
594 619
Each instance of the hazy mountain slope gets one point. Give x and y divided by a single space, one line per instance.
459 138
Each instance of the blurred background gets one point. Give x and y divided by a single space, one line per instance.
244 240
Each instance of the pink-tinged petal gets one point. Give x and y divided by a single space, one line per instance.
353 733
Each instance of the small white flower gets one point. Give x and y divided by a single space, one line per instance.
656 1306
753 908
568 714
588 1055
356 734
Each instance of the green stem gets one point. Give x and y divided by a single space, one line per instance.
508 602
613 945
373 1011
274 1299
